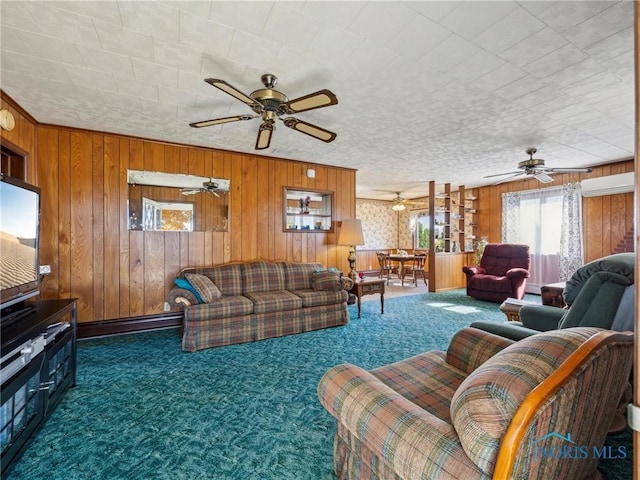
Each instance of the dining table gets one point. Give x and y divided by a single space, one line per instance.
401 259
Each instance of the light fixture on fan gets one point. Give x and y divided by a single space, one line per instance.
400 204
535 167
270 105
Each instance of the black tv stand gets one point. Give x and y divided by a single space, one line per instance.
33 383
14 315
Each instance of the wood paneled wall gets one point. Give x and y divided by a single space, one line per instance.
22 136
116 273
605 219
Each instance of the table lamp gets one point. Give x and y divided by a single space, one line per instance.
351 235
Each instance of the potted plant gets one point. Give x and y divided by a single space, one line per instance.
480 249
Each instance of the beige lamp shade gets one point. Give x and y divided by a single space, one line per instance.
351 232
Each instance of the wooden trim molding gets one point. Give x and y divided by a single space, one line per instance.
538 396
15 105
636 359
129 325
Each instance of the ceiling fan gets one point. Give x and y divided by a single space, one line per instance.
270 104
535 167
399 203
207 187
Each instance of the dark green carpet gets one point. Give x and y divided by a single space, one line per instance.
143 409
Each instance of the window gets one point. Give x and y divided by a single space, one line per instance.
166 216
550 222
540 222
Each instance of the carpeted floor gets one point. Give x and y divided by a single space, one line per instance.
143 409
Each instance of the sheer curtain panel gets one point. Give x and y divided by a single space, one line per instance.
549 221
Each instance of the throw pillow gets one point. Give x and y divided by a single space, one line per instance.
205 287
327 280
184 283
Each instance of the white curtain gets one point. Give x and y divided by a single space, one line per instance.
571 246
549 221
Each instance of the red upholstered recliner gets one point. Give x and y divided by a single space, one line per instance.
503 272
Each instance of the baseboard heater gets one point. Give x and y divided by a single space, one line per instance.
106 328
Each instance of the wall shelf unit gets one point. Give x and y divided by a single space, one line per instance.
307 210
451 235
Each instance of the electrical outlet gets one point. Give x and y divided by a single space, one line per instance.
167 307
45 269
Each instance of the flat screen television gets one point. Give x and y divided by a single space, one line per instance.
19 233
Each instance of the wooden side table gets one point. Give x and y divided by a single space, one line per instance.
369 286
552 294
511 308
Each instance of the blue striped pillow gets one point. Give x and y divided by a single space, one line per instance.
184 283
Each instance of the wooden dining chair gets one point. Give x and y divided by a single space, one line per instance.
385 265
418 268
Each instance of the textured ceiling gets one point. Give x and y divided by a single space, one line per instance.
445 91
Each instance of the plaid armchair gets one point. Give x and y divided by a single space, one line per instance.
489 407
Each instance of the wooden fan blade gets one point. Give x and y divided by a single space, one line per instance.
322 98
309 129
264 136
189 191
218 121
235 93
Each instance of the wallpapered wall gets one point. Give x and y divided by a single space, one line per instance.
382 227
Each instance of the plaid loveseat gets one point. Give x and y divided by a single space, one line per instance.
259 300
487 408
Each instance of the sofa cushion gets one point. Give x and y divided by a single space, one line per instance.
625 314
274 301
327 280
425 379
263 277
313 298
202 284
224 307
597 302
299 276
620 263
485 403
228 278
490 283
498 258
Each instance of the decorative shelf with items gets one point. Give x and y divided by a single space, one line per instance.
307 210
470 220
442 220
447 237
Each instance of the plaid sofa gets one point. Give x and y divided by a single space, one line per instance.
487 408
259 300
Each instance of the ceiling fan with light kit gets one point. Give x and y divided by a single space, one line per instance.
535 167
270 104
210 186
400 204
